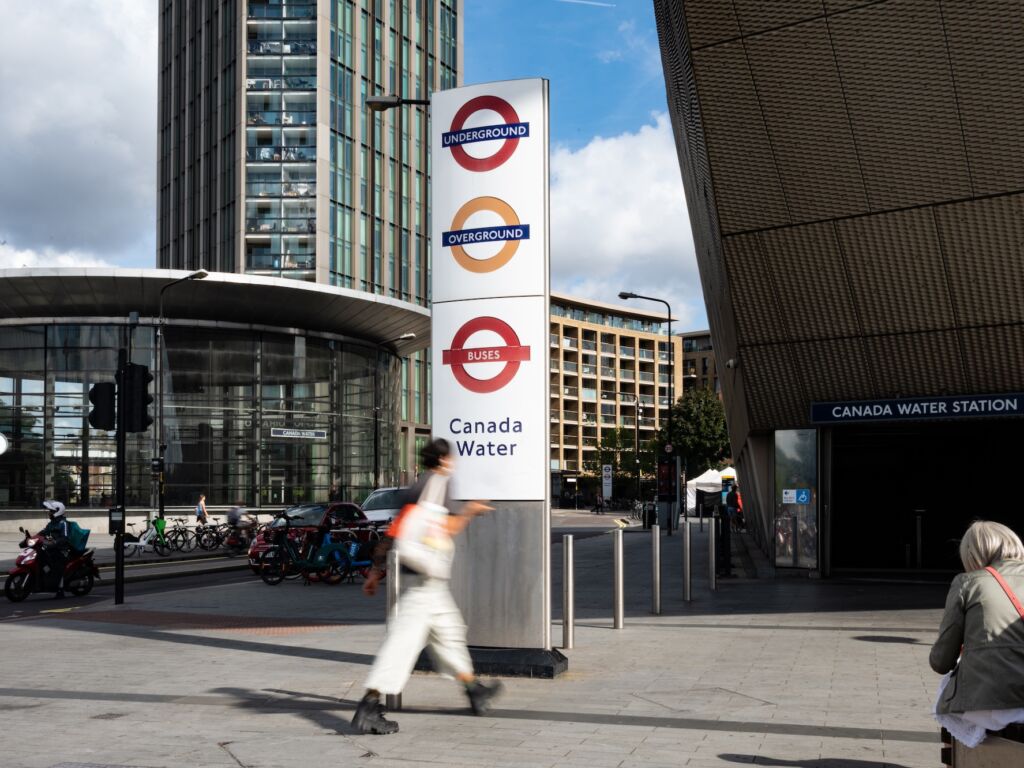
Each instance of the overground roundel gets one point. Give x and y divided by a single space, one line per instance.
510 233
459 356
508 133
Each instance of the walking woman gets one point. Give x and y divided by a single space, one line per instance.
426 612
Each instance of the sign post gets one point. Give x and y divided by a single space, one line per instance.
490 289
606 482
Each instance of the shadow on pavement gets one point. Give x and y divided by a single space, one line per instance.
819 762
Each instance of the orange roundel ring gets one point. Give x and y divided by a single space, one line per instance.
508 250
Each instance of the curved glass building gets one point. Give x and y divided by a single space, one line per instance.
274 391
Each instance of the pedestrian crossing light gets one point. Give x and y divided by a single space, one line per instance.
103 398
137 398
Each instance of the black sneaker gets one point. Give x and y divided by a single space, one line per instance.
58 594
369 718
482 695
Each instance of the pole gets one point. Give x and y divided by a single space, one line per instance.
712 574
678 485
617 606
687 561
122 450
393 701
376 423
656 569
671 402
636 443
568 593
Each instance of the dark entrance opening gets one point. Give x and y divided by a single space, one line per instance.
903 494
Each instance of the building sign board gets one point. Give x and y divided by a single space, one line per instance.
606 481
916 408
299 434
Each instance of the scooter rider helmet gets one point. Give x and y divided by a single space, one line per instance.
55 508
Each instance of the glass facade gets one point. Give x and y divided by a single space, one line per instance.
796 498
280 138
267 419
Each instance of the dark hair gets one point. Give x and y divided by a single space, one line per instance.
434 451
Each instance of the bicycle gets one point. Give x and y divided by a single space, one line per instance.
326 561
151 540
181 537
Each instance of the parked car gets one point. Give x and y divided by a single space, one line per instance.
383 505
314 520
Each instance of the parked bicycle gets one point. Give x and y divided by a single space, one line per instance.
151 540
325 560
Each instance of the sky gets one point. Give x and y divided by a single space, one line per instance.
78 138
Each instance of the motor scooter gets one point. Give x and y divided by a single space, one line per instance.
32 571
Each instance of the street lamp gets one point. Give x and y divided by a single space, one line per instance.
158 436
376 408
671 378
379 104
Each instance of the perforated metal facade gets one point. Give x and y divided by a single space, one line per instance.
855 179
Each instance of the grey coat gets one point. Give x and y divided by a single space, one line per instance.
980 617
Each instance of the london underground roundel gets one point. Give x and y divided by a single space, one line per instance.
512 354
509 232
507 132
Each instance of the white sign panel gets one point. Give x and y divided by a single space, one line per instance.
606 481
490 362
489 154
489 224
789 495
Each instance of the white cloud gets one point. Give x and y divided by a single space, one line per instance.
78 126
619 223
26 257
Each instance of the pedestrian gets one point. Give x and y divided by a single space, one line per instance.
426 611
201 517
732 503
980 648
599 505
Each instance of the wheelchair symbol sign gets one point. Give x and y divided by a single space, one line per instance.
803 495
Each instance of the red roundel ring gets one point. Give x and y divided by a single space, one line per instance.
512 354
508 114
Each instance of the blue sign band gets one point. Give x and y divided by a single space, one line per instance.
498 132
485 235
916 408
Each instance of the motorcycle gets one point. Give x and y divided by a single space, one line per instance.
32 573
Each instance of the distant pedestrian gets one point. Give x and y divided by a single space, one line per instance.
732 505
599 505
426 611
201 517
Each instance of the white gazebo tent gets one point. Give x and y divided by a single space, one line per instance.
709 481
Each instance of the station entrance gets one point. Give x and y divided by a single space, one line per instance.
903 494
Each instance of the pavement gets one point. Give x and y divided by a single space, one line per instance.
226 672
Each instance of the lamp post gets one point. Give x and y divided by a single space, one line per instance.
376 408
158 436
636 438
671 379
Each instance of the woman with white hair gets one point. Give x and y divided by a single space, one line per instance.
980 648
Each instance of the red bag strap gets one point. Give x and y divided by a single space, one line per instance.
1007 590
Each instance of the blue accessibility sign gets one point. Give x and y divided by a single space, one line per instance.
803 495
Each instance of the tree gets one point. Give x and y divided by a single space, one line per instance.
699 433
617 447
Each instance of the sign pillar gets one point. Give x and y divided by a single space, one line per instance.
490 289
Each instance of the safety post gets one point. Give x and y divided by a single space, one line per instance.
656 570
712 575
393 701
687 561
618 577
568 593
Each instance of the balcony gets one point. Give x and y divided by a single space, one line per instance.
287 83
554 339
280 154
569 367
608 373
569 392
567 416
626 375
590 346
607 349
647 377
646 354
589 419
588 370
287 226
272 117
291 11
646 399
627 352
277 262
279 47
569 343
627 421
589 394
608 420
280 189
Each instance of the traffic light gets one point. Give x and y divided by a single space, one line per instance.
137 398
103 397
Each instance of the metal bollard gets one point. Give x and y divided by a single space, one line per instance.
568 593
687 561
617 598
656 570
393 701
712 575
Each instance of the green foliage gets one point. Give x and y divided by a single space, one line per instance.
699 431
618 448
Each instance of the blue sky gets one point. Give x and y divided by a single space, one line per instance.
602 60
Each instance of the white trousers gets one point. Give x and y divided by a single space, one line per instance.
426 615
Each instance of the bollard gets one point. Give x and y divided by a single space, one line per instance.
656 570
568 593
712 575
617 575
393 701
687 561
